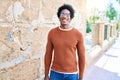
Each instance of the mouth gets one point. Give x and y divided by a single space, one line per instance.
64 21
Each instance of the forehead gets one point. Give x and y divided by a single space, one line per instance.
65 11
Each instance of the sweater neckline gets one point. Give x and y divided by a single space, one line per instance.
69 29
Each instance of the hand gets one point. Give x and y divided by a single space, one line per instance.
80 79
46 78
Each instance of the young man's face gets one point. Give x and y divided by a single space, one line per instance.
65 17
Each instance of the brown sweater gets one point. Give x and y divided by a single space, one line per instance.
64 44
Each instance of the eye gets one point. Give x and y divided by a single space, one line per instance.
65 14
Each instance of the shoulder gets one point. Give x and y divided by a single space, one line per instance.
79 35
77 32
52 31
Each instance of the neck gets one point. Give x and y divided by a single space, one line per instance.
65 27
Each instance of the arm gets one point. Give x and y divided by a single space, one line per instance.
46 77
48 57
81 56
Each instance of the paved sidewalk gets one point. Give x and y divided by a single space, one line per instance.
107 66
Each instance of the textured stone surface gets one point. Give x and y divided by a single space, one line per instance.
27 70
9 50
39 40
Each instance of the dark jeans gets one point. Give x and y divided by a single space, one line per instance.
61 76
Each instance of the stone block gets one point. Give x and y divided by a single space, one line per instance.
40 39
27 70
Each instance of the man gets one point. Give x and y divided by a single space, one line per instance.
64 40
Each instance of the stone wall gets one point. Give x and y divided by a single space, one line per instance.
95 34
24 25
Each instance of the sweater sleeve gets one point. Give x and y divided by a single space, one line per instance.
81 55
48 54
